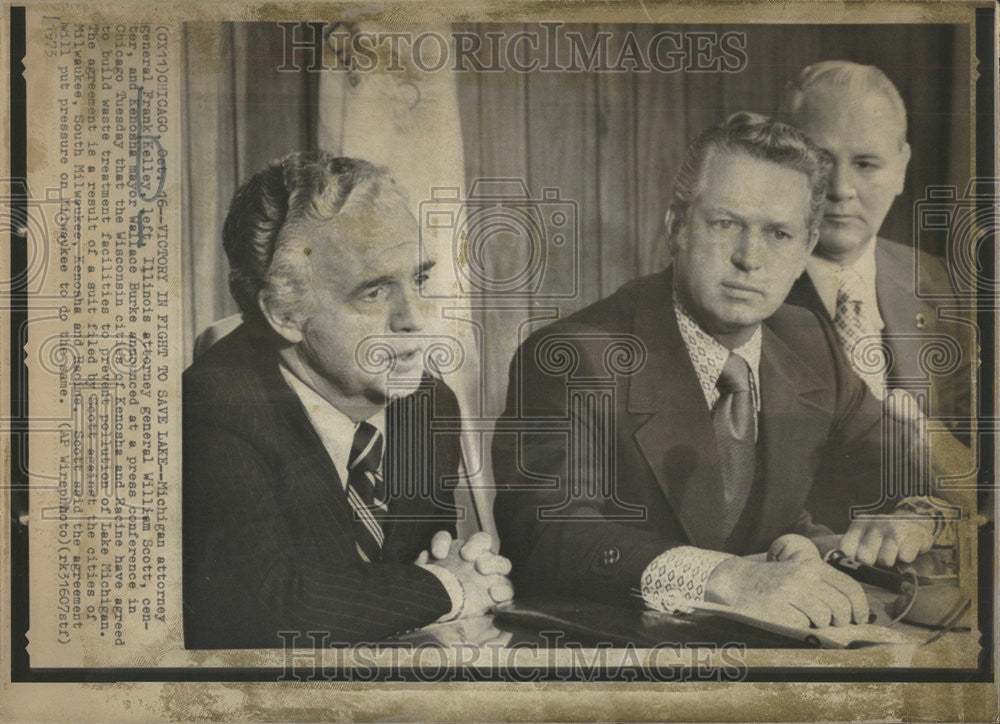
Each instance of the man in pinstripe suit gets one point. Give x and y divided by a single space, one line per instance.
315 495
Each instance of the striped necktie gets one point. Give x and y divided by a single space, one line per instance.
366 491
861 341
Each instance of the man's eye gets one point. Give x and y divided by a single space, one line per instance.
724 224
866 165
421 279
374 294
781 235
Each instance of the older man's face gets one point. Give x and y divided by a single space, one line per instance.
864 135
745 241
366 277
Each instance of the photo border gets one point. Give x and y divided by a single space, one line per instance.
20 666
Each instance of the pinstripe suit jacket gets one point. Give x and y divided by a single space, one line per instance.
267 528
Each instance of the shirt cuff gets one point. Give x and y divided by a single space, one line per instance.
944 514
454 589
677 575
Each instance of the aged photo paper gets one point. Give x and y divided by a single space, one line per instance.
299 293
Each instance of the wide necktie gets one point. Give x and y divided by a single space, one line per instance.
861 340
366 491
735 437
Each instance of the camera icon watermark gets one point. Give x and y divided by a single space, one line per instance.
965 226
503 243
47 226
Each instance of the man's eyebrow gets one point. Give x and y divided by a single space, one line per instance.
388 278
376 282
722 210
426 266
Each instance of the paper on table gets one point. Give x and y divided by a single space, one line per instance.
836 637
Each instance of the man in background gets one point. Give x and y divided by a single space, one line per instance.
313 484
868 285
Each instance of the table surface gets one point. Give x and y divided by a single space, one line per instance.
592 624
628 626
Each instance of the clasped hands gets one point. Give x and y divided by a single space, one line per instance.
481 573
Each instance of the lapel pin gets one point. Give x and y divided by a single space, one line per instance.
921 321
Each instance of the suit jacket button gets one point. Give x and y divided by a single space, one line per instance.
610 556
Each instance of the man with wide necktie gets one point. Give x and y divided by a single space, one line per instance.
734 420
316 493
725 413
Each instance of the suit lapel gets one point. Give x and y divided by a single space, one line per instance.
311 477
677 439
898 305
792 418
411 457
804 294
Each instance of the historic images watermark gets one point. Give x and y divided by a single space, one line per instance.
553 658
547 48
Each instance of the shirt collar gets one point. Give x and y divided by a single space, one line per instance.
709 356
335 429
825 276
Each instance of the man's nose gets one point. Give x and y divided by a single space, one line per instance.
409 313
840 184
749 248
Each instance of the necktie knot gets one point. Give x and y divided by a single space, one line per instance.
735 375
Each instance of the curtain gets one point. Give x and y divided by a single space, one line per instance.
240 112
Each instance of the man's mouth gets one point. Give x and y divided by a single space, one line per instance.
407 357
742 289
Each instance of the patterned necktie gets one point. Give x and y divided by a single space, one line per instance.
860 339
366 491
733 420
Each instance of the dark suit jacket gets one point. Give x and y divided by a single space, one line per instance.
910 324
268 531
817 417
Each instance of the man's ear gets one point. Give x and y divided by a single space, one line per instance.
904 161
813 240
280 320
674 226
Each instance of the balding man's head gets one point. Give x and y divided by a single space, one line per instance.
855 113
847 81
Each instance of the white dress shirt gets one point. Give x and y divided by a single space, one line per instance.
335 429
709 356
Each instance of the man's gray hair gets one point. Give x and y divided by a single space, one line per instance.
758 137
854 78
302 187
